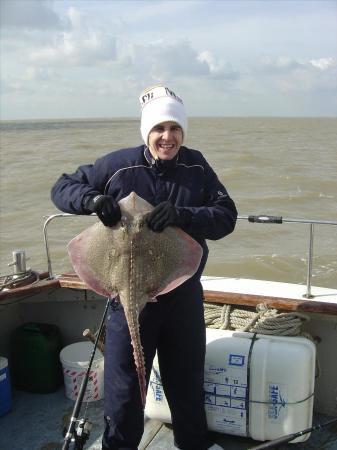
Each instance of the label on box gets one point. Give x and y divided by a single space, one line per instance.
226 395
276 392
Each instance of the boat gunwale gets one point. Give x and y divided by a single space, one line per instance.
72 281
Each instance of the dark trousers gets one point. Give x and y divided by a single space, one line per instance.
174 326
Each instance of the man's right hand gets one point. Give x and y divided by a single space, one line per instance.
106 208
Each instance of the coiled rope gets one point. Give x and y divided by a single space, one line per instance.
262 321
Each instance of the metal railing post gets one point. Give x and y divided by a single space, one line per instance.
309 259
45 237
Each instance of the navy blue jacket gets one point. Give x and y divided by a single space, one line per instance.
190 184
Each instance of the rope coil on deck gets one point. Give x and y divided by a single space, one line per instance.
262 321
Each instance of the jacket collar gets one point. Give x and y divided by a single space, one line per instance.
161 166
149 158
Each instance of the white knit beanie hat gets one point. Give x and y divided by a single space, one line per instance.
159 104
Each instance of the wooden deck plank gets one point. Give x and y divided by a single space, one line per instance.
71 280
163 440
151 428
280 303
30 289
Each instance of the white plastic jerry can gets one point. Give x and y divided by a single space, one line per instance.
255 385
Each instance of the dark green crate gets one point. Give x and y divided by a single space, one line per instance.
34 362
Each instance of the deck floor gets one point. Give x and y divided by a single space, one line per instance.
36 422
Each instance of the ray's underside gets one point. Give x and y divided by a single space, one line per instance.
135 263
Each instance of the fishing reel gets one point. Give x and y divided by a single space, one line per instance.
81 433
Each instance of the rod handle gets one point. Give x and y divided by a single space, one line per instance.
89 335
265 219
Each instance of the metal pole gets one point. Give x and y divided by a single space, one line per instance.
45 237
310 255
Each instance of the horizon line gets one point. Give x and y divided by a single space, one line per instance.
74 118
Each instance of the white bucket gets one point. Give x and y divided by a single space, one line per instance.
75 360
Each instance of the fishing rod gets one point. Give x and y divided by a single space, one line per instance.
289 437
80 434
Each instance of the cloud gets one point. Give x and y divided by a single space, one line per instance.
116 60
302 75
30 14
170 61
75 49
280 64
81 46
323 63
162 60
286 64
218 68
16 86
40 74
99 51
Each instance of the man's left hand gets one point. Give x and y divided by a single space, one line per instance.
162 216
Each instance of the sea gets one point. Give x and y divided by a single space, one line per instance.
270 166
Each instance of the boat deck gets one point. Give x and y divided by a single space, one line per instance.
36 422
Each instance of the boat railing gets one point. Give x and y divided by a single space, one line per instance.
266 219
260 219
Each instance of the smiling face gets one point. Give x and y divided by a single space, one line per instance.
165 140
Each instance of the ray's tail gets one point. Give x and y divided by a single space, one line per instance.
138 354
134 307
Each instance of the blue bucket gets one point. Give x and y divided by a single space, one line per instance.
5 387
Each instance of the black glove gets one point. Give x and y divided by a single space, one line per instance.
166 214
106 208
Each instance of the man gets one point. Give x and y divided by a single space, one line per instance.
186 193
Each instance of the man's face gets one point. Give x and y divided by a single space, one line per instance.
165 140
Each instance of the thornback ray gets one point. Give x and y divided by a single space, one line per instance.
135 263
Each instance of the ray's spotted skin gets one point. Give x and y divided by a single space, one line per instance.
135 263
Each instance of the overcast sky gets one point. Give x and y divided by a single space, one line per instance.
91 58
